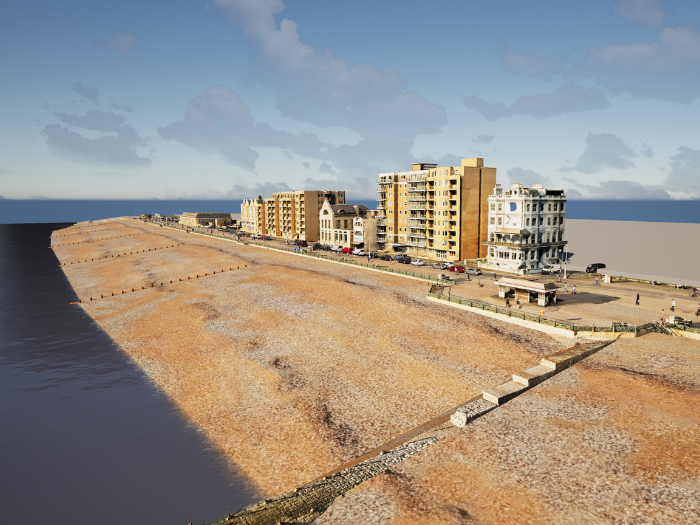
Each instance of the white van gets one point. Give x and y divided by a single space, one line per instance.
551 268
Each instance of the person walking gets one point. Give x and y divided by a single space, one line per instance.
507 303
574 290
637 303
566 287
673 305
662 315
596 280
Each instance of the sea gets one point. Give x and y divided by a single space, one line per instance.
85 436
38 211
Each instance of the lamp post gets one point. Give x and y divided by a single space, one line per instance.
566 257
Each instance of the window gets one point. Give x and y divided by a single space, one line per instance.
555 206
528 207
500 220
527 222
513 206
493 207
549 207
541 221
554 221
500 207
549 221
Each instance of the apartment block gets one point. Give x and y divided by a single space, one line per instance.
290 215
525 228
436 212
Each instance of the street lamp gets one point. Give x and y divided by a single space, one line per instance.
566 257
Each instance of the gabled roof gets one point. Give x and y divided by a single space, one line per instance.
348 209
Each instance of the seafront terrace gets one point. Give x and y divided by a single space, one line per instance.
294 365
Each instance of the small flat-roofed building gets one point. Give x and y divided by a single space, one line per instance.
204 219
528 291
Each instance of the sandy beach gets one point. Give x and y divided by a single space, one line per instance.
292 365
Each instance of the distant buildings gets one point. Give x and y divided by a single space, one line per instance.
198 219
287 215
525 228
436 212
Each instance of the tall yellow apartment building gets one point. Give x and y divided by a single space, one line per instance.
436 212
290 215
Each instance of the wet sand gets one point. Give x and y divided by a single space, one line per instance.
292 366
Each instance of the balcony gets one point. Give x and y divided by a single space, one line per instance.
417 206
417 235
414 242
381 222
417 224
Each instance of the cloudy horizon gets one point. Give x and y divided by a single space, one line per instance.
229 99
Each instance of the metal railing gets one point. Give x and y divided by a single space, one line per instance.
614 328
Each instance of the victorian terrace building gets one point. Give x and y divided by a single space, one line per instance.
526 228
338 224
436 212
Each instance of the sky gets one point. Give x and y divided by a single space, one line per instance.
227 99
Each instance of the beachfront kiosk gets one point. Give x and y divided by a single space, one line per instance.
528 291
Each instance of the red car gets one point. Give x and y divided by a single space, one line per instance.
457 268
346 250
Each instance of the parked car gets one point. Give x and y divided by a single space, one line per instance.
473 271
457 268
441 266
385 257
318 246
400 256
299 242
335 248
593 268
418 262
358 251
346 250
551 268
405 260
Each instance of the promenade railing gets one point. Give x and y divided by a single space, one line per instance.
556 323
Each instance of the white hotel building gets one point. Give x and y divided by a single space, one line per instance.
526 229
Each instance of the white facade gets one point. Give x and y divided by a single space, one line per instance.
526 228
365 231
336 223
252 215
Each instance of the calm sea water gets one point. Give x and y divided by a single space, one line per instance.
32 211
84 436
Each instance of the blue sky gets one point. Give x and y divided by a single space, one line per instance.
234 98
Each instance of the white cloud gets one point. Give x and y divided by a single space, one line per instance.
533 66
106 150
104 121
216 121
120 42
483 139
569 98
312 85
603 151
528 177
685 172
665 69
121 107
644 13
89 93
621 190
